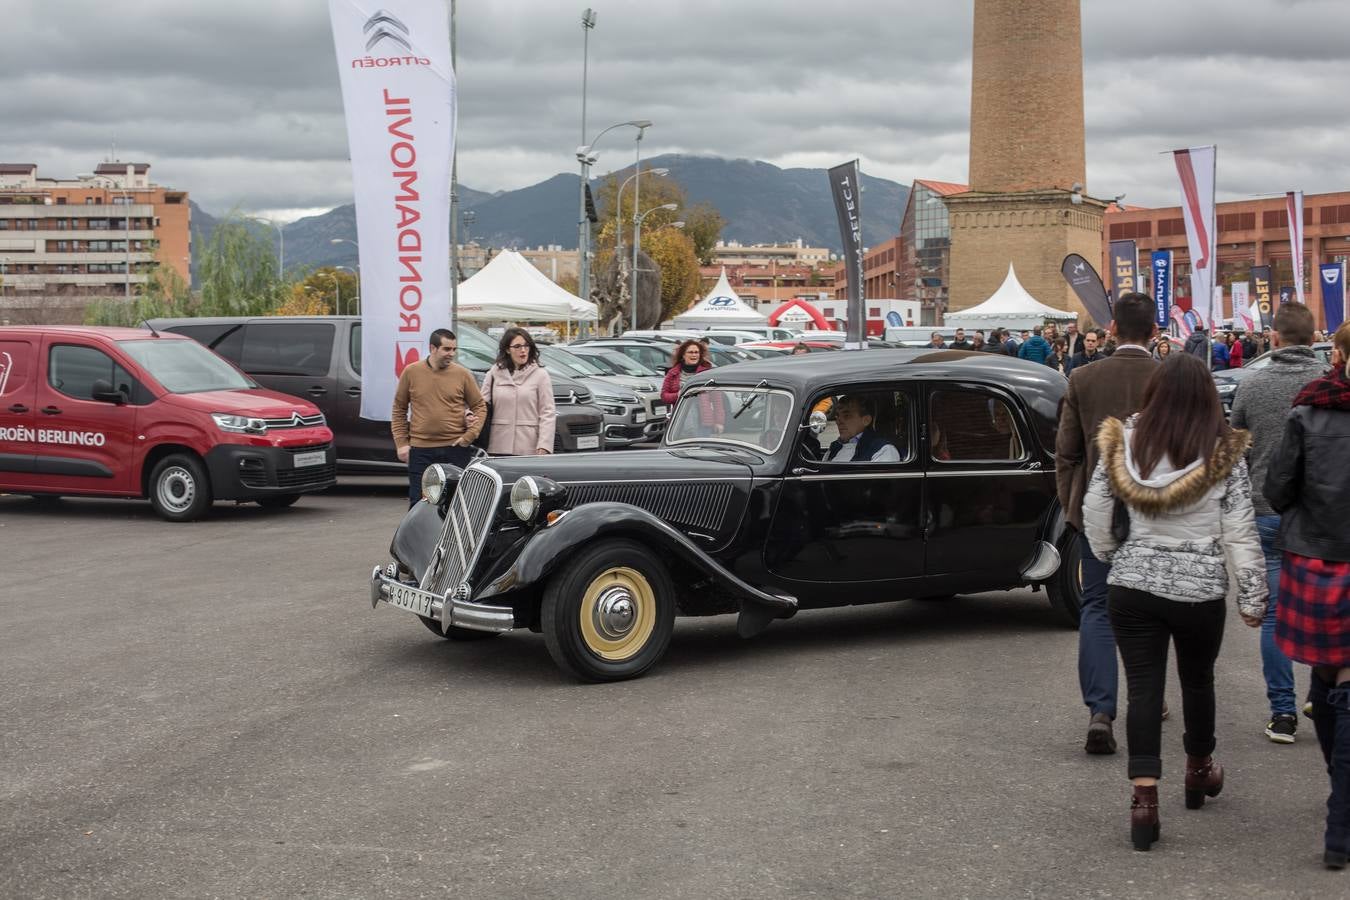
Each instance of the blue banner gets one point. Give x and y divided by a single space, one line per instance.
1162 286
1333 295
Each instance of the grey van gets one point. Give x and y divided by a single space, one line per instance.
319 358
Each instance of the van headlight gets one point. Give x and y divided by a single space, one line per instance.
239 424
525 498
433 483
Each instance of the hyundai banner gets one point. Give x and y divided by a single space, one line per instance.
1261 295
846 188
1333 295
1162 286
398 92
1123 263
1196 171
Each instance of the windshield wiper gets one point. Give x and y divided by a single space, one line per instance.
751 399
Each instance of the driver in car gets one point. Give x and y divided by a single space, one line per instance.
858 441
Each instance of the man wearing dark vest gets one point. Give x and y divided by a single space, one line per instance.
1111 387
858 442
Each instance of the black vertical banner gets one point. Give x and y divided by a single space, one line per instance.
1087 284
1261 294
846 187
1124 264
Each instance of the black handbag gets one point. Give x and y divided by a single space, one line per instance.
1120 521
485 435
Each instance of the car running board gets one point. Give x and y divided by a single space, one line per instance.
756 614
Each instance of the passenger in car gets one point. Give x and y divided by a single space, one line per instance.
858 441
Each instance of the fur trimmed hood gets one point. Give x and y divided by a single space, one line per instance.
1188 487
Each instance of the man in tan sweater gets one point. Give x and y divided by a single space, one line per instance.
438 392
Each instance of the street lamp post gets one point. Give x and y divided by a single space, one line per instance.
358 285
108 183
357 273
618 208
586 158
337 294
637 243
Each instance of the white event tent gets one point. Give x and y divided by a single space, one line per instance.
1009 307
722 308
510 289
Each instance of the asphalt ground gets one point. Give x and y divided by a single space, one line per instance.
213 710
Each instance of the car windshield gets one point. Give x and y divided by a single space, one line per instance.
618 364
185 366
568 362
752 417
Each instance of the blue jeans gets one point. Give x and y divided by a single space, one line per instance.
1097 669
1277 668
421 457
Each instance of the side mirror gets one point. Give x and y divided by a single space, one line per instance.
103 392
816 422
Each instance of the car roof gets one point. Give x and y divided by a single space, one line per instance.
112 332
811 371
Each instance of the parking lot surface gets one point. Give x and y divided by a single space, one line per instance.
213 710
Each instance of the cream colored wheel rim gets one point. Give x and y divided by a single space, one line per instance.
618 614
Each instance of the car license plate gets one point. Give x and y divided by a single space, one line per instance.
414 600
589 442
313 458
658 410
639 418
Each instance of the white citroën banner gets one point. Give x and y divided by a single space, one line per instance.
398 92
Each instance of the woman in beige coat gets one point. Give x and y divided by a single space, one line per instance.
520 394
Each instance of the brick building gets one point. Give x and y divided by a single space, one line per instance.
64 244
1026 203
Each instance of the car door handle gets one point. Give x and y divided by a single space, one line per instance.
51 410
805 470
353 392
18 408
317 391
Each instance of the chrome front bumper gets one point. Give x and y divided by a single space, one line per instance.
450 610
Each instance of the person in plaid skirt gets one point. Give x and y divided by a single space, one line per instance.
1308 483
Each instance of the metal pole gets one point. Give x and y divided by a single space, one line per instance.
637 192
583 221
127 221
454 188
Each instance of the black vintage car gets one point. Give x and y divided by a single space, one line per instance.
746 508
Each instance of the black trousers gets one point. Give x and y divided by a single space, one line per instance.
421 457
1144 624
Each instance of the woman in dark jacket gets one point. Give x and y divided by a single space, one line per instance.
690 358
1308 484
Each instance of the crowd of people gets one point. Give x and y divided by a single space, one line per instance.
1176 509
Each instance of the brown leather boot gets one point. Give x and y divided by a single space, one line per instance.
1144 827
1204 778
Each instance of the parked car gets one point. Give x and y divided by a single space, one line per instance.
787 346
730 336
746 515
633 409
319 357
127 412
1227 380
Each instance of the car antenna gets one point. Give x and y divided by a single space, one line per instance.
146 323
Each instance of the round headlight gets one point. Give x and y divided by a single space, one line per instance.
525 498
433 483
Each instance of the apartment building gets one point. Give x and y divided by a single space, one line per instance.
67 243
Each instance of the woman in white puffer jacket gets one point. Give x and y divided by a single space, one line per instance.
1179 471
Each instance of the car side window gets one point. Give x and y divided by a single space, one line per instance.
354 348
72 370
288 348
863 426
970 425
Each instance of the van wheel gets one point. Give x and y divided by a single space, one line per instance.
1065 587
455 633
278 501
610 613
179 488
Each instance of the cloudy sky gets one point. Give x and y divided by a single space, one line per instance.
239 102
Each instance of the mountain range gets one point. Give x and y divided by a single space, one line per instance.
760 202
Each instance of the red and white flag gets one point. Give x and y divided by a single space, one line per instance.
1196 169
1293 205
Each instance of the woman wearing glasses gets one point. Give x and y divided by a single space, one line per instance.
520 396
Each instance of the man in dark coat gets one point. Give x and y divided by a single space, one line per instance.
1111 387
1197 345
1089 354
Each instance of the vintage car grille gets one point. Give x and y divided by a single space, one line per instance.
295 420
466 526
701 505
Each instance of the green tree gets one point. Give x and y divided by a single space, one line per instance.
317 294
237 272
703 223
